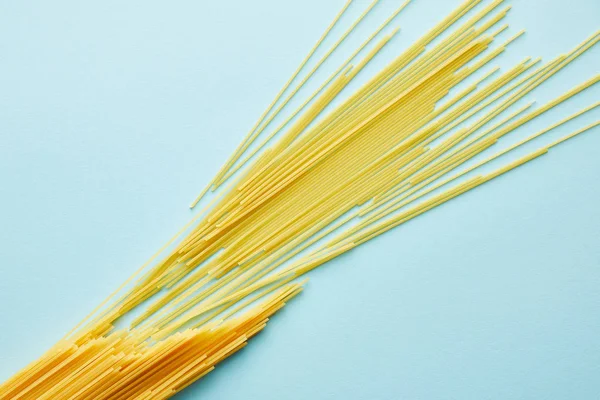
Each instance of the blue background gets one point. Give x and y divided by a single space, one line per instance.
115 114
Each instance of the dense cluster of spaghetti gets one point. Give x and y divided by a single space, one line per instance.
394 149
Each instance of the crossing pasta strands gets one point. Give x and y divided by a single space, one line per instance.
324 181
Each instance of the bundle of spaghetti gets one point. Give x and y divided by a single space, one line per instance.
202 297
235 168
249 228
121 365
417 48
545 108
333 180
381 74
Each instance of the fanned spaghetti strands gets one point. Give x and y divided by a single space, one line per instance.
453 159
410 139
318 65
396 205
382 77
313 156
239 150
135 274
491 158
261 146
352 241
263 123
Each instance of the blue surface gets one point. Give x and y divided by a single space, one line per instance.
114 115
